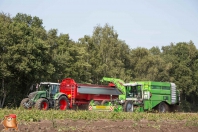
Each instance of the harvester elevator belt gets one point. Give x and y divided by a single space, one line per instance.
98 90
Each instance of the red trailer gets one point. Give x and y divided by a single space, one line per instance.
81 94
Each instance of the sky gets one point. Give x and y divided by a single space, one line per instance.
140 23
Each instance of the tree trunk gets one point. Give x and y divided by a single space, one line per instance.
2 100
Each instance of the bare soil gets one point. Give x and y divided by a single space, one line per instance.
105 126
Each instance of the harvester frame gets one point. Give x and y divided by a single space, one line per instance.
142 96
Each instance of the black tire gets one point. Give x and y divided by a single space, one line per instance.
174 108
163 107
128 106
25 100
62 103
97 102
104 102
42 104
83 107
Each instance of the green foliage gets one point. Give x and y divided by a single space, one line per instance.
30 54
106 54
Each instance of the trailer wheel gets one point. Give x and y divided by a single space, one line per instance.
22 104
42 104
62 103
128 106
163 107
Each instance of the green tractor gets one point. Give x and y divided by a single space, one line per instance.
46 96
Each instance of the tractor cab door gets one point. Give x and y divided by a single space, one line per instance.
54 88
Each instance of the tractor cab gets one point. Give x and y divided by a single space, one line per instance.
50 88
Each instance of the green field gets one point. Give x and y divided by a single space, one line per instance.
38 115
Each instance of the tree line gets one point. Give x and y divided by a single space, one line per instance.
30 54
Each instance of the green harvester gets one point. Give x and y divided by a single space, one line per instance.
141 96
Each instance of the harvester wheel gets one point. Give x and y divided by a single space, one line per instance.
128 106
62 103
174 108
105 102
42 104
83 107
25 100
96 102
163 107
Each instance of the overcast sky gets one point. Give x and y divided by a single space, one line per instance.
140 23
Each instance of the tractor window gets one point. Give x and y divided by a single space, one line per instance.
55 89
44 87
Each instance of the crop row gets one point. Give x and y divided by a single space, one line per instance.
37 115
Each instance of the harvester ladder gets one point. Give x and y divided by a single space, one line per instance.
72 99
173 93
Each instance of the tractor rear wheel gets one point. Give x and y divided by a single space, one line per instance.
62 103
42 104
128 106
163 107
22 104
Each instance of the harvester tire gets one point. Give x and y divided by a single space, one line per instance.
62 103
105 102
25 100
83 107
97 102
163 107
128 106
174 108
42 104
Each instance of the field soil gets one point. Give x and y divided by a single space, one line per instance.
104 126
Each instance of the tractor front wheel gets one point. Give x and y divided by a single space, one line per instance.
22 104
62 103
42 104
